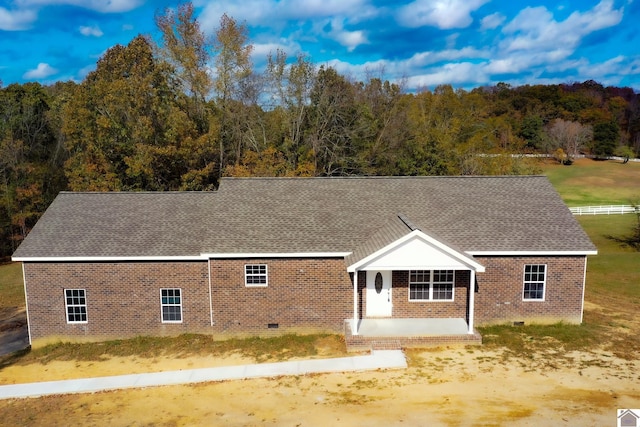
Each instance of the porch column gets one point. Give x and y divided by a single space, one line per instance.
354 327
472 289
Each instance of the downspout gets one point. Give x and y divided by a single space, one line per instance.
210 295
354 327
26 301
584 286
472 291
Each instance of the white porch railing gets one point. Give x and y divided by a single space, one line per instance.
604 210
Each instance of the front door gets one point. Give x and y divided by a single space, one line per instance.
379 294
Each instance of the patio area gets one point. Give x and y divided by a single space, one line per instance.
393 334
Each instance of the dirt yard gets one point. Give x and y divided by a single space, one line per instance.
442 387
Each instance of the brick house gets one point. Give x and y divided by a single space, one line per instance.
415 259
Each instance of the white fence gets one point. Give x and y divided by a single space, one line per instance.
604 210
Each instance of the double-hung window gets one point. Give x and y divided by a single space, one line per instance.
75 302
171 305
431 285
255 275
535 279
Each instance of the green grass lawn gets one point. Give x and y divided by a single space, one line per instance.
615 270
11 287
589 182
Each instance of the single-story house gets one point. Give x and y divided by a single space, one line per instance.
373 257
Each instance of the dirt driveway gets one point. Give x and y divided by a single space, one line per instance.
442 387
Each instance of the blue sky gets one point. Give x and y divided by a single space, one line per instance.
424 43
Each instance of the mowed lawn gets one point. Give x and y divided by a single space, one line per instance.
593 183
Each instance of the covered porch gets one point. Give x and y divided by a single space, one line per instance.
414 291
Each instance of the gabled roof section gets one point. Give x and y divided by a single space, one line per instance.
474 215
405 246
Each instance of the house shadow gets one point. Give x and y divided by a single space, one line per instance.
14 338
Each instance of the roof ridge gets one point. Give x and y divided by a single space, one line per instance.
125 192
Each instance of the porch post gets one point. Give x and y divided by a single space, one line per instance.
354 327
472 289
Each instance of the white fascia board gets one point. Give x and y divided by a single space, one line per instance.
465 258
108 258
201 257
277 255
531 253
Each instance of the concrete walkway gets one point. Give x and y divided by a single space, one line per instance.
378 359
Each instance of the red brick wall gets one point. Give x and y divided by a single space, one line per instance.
301 294
304 294
499 296
123 299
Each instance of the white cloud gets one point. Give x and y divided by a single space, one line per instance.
536 29
91 31
348 39
15 20
261 51
277 13
104 6
421 59
454 73
535 42
42 71
492 21
420 71
444 14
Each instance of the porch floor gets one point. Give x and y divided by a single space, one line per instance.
393 334
411 327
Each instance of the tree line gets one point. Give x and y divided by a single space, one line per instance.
180 113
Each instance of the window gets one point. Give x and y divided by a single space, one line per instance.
431 285
76 305
535 277
255 275
171 304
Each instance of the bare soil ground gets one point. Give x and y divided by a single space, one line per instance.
453 386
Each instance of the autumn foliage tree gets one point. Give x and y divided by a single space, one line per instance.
183 111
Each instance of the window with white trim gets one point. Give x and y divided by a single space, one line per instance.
535 279
431 285
171 305
75 301
255 275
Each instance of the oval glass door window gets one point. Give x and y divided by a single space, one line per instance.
378 283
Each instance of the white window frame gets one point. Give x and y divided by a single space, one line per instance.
164 304
430 284
76 305
526 282
253 272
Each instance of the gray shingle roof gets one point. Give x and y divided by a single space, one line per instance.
289 215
